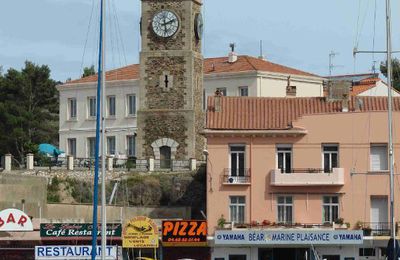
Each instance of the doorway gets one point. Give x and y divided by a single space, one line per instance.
379 215
165 157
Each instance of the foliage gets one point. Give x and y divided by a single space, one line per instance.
88 71
395 72
81 191
28 110
221 221
52 191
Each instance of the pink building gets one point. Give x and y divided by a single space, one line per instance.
282 171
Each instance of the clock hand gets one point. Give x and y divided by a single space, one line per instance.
170 21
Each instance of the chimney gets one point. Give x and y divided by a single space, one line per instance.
290 90
232 57
217 96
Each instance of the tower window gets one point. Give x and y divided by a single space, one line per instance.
166 81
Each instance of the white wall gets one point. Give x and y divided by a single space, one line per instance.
381 89
83 127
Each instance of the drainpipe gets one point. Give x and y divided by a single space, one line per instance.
251 177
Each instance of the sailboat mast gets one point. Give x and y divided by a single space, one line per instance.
390 119
103 138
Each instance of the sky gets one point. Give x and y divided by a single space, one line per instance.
63 34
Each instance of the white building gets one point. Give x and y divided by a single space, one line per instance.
233 76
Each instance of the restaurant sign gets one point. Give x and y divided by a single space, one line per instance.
73 252
184 233
77 230
140 232
284 237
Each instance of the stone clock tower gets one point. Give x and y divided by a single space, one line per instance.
170 115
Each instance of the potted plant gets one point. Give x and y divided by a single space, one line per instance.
339 223
358 225
253 223
221 221
266 222
367 231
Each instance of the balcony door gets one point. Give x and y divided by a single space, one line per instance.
379 214
237 166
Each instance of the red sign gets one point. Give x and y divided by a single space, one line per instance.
15 220
184 233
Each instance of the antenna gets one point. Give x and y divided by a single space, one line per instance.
232 46
261 50
332 54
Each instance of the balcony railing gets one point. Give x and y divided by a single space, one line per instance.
236 176
307 177
376 228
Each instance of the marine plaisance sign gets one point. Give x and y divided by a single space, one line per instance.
284 237
15 220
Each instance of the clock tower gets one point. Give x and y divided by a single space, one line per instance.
170 114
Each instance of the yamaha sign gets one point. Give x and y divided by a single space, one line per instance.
283 237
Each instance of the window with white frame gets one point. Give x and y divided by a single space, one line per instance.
284 157
237 208
330 208
91 106
243 91
285 209
131 143
131 105
91 146
330 154
72 108
237 157
111 106
222 91
378 157
111 145
72 146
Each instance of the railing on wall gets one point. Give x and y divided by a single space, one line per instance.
112 164
236 176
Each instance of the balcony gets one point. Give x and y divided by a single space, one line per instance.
236 176
308 177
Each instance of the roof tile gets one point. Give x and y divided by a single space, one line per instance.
211 66
257 113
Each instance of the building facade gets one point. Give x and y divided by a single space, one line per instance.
245 76
281 171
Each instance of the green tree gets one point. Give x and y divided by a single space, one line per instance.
28 110
88 71
395 72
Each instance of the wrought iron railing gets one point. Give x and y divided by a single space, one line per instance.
376 228
239 175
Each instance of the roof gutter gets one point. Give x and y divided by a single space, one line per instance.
244 132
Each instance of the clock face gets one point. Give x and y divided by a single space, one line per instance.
198 26
165 23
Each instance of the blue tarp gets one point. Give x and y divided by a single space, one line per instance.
49 150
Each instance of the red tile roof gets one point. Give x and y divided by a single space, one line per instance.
211 66
364 85
255 113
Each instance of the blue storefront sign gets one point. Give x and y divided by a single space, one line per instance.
284 237
73 252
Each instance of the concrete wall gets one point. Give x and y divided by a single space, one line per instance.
114 213
15 188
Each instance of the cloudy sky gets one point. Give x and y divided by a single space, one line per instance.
299 34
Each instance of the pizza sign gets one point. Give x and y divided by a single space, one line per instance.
15 220
184 233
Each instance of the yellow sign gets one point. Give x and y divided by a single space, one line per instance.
140 232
